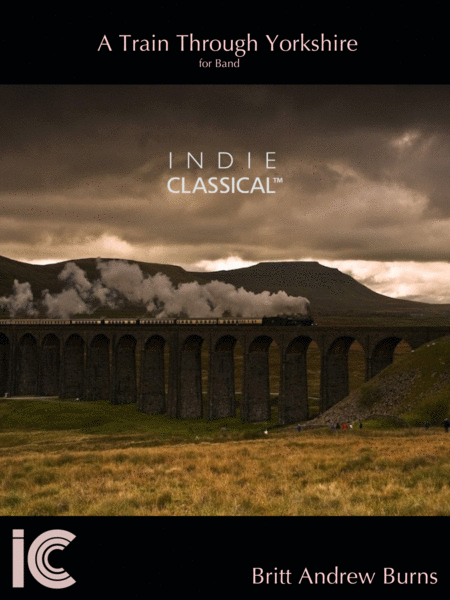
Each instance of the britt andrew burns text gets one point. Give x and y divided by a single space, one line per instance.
337 577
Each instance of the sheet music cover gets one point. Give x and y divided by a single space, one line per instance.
213 142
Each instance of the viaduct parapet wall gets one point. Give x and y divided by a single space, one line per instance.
158 367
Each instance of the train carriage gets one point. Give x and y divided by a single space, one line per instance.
302 320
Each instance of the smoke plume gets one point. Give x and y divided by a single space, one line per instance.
20 301
123 284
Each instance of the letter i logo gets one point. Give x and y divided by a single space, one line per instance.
18 559
38 563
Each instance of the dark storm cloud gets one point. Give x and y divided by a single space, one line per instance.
364 171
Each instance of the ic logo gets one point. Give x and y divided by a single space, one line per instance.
38 559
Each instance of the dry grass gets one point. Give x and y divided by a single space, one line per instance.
358 472
98 459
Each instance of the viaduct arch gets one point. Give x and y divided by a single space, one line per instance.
159 367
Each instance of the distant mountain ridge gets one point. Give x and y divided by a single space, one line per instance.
329 291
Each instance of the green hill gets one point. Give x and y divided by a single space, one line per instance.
412 390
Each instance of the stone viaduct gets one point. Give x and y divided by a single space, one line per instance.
125 363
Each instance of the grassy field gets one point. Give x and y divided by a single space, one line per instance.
61 457
91 458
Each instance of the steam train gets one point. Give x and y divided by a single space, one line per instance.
302 320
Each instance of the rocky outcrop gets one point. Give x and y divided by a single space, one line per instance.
383 397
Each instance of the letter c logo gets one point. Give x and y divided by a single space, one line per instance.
38 559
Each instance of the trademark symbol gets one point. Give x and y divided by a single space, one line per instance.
278 179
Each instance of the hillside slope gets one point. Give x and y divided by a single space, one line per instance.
329 291
415 388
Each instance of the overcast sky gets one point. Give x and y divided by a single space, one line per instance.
361 178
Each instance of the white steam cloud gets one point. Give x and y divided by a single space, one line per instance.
123 283
20 301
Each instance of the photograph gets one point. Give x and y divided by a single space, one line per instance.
223 301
